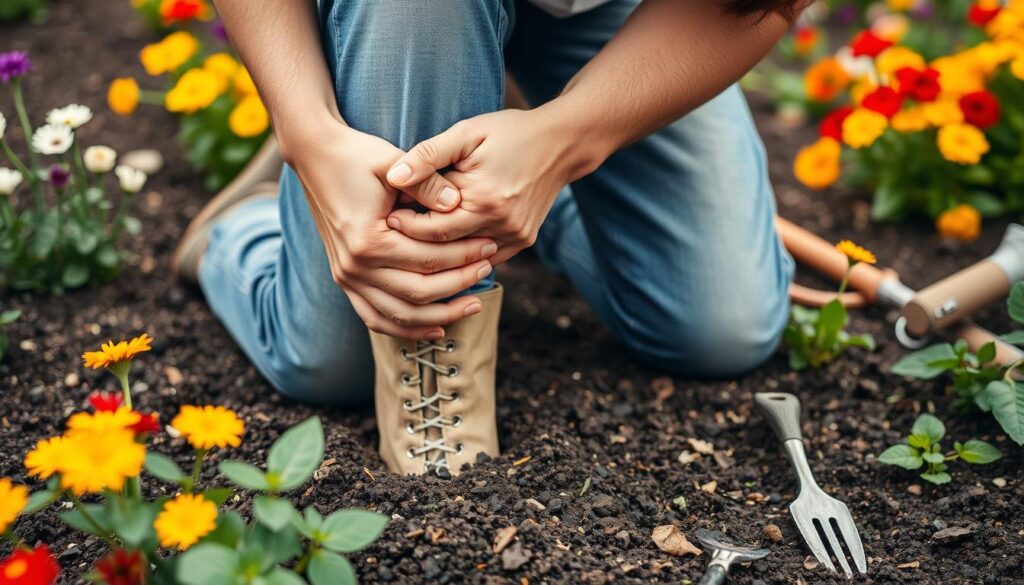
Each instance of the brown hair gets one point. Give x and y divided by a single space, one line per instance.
788 9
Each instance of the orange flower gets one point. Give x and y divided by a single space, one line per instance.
825 79
817 165
961 223
111 354
855 253
123 96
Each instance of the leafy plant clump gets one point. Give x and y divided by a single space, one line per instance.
817 336
923 449
93 473
978 381
64 234
16 10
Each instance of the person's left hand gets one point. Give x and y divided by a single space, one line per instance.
508 166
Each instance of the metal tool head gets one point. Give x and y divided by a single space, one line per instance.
715 542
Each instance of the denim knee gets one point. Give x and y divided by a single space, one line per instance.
313 373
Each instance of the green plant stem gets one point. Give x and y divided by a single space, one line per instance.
26 127
33 180
15 540
118 224
300 565
92 521
80 178
197 468
1007 375
846 279
120 370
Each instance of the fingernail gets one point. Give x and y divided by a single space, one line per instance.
435 334
472 309
394 224
484 271
487 250
447 197
400 173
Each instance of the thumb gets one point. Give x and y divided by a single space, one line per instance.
435 192
427 157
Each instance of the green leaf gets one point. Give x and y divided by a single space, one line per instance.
274 513
977 452
830 322
1014 337
327 568
74 275
77 520
244 475
45 235
987 353
277 547
132 226
208 563
8 317
108 257
218 495
863 340
920 441
38 500
903 456
927 424
348 531
282 576
1007 402
937 478
1015 304
309 525
919 364
86 242
132 520
163 467
933 457
888 202
986 204
229 531
295 455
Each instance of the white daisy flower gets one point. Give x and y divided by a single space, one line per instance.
9 180
72 116
3 125
857 67
131 179
52 139
99 159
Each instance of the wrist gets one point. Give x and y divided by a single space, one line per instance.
583 142
308 133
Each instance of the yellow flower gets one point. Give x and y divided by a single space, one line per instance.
961 223
863 127
47 458
95 422
958 74
249 118
895 58
223 66
184 520
169 54
891 27
13 499
1017 68
206 427
962 143
100 460
909 120
123 96
855 253
817 165
860 89
943 111
243 82
899 5
197 89
114 353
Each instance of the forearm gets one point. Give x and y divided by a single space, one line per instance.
670 57
279 42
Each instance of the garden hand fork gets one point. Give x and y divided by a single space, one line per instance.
816 514
723 555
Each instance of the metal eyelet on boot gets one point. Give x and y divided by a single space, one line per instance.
407 379
404 354
457 420
450 346
453 371
409 428
407 405
454 396
411 453
460 448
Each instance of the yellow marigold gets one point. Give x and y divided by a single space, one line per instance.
961 223
899 5
223 66
855 253
169 54
958 75
1008 24
100 460
942 111
123 96
249 118
13 498
962 143
825 79
909 120
47 458
111 353
1017 68
863 127
184 520
895 58
860 89
94 422
891 27
817 165
206 427
243 82
197 89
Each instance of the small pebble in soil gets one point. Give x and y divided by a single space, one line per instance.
914 489
772 533
999 482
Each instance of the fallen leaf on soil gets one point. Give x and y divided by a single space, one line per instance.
772 533
672 540
526 459
910 565
502 538
951 534
657 566
663 388
174 375
702 447
709 487
810 563
723 460
435 534
687 458
515 556
415 533
914 489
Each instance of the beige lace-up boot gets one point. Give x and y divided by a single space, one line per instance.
435 399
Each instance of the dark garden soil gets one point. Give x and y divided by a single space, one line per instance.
570 398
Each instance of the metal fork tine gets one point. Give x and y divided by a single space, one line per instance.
812 539
826 526
852 537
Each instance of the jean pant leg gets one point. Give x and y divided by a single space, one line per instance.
403 71
672 239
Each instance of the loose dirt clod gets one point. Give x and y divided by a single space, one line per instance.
914 489
514 557
702 447
502 538
672 540
951 534
810 563
910 565
772 533
709 487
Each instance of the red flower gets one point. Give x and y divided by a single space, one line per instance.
883 100
121 567
105 401
980 108
832 125
182 10
805 39
922 86
868 43
35 567
148 423
981 13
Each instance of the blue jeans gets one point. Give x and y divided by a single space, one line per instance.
671 240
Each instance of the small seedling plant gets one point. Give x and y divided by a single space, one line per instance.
817 336
924 449
978 382
94 474
64 232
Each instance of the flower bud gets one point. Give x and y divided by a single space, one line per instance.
9 180
99 159
131 179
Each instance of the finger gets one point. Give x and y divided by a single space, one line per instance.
429 156
378 323
428 257
410 316
435 192
505 253
433 226
420 289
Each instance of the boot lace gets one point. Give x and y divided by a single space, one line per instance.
436 451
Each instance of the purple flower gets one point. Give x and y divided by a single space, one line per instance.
219 31
59 176
846 15
14 64
924 9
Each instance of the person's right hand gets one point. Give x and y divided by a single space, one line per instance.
392 280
